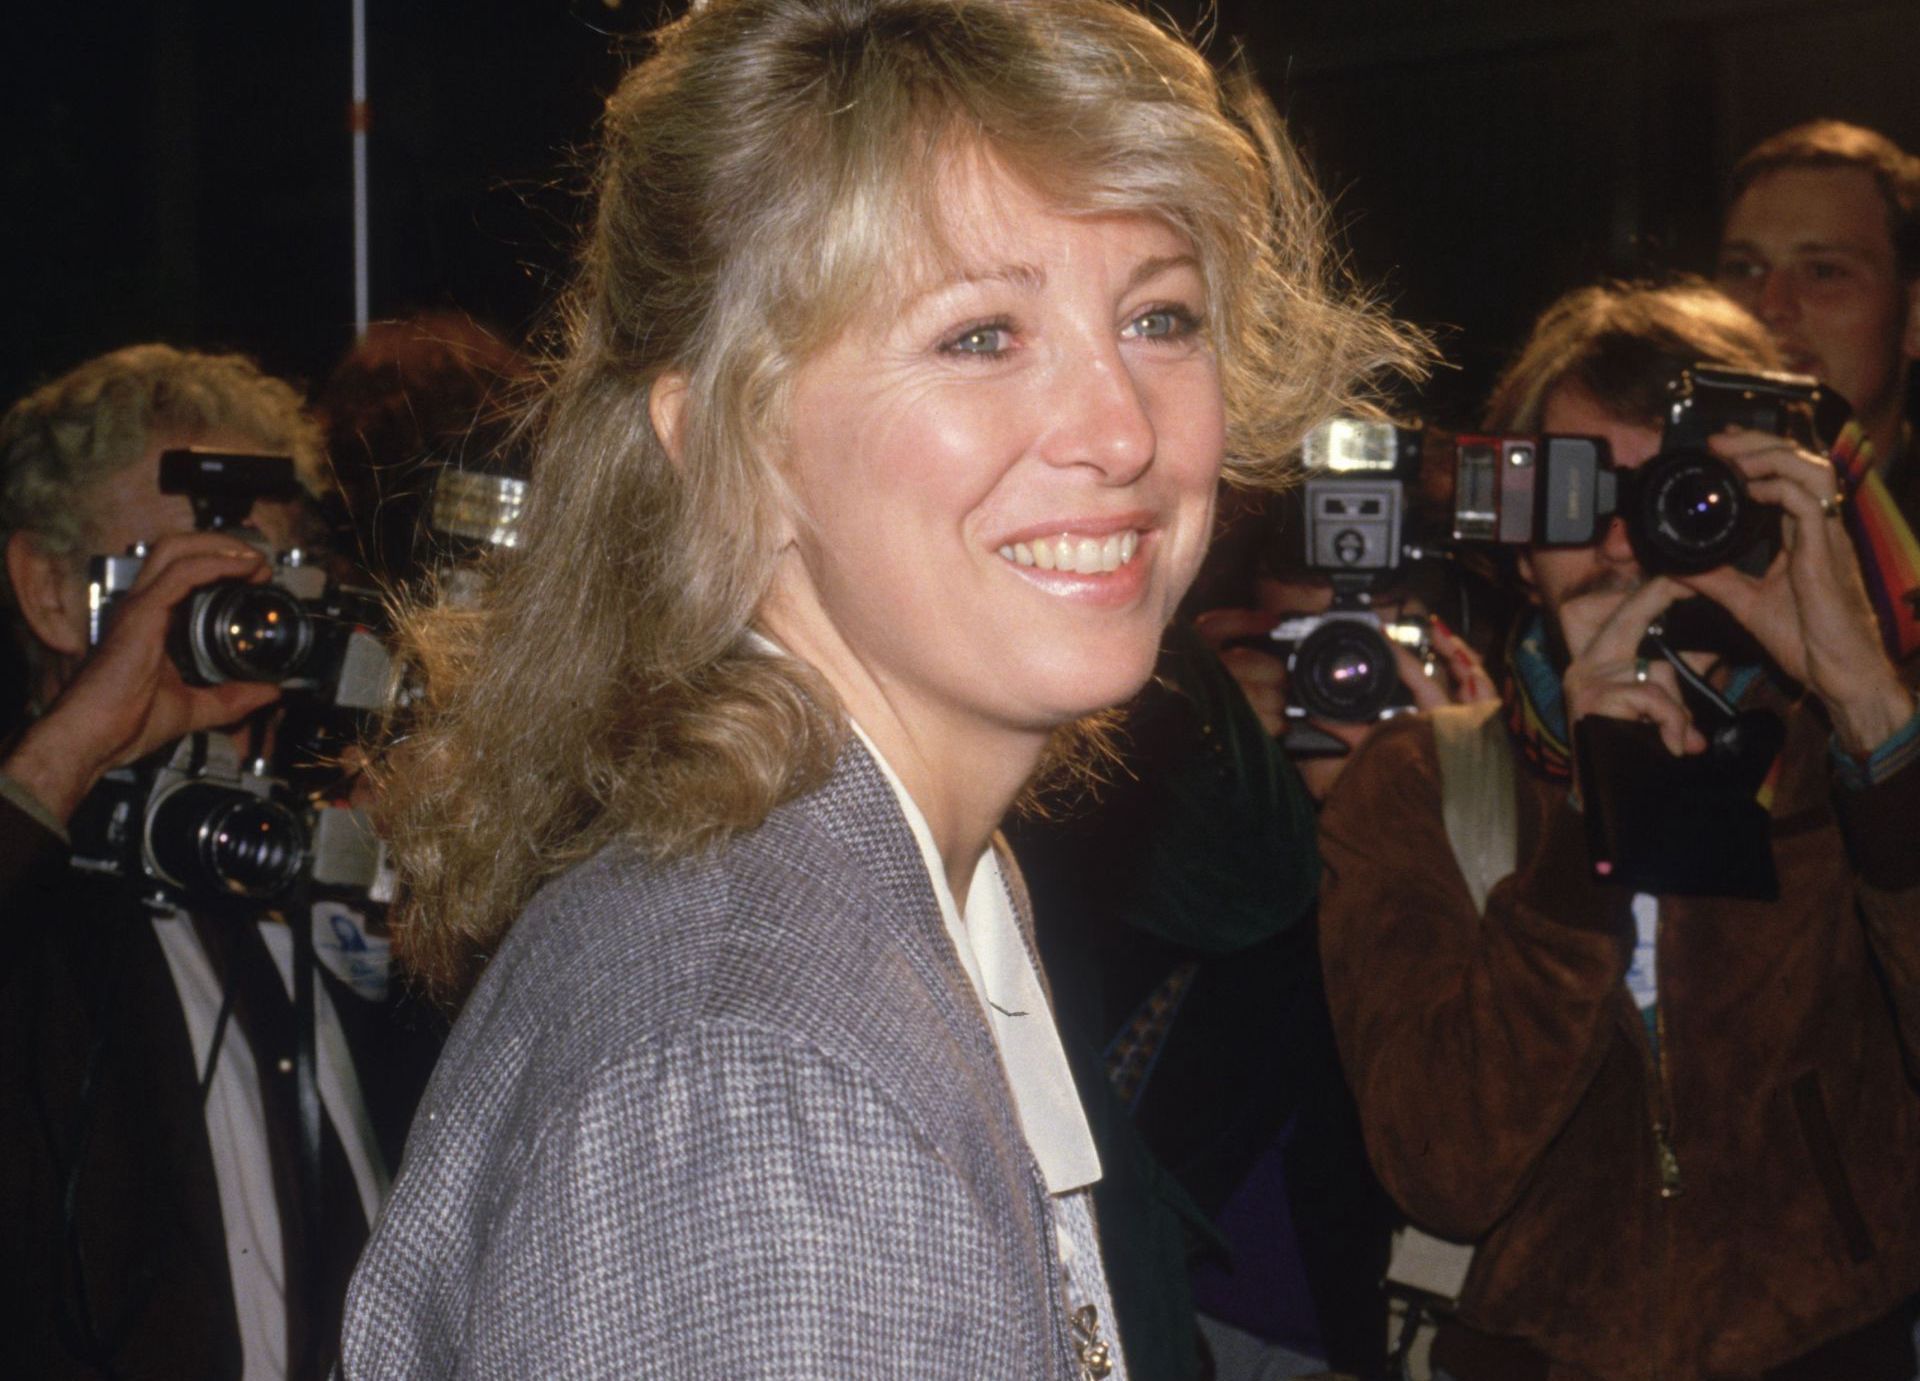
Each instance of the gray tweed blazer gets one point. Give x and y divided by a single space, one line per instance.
737 1116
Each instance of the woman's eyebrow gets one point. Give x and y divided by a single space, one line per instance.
1149 269
1033 278
1025 277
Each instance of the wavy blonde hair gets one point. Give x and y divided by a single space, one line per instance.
759 173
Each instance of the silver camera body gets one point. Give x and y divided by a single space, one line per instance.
204 827
1340 664
297 629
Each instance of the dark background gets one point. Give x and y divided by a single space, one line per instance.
181 170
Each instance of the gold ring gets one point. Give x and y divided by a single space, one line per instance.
1830 506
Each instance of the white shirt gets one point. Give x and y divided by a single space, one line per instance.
998 964
236 1131
1643 975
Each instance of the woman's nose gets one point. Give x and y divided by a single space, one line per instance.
1101 417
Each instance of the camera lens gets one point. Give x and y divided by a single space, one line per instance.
219 841
1691 514
236 631
1344 670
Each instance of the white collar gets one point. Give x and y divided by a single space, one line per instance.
1000 968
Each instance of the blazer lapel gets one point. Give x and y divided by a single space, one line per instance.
858 810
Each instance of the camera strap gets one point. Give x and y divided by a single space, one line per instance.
1883 540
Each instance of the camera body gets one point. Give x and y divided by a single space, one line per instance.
298 630
1340 663
1356 512
1688 511
200 827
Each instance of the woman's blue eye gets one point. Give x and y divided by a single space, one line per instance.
1164 323
992 338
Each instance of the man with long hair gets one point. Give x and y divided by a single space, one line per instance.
1676 1128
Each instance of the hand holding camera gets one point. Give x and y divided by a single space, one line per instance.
1809 609
1607 675
224 631
1357 671
128 698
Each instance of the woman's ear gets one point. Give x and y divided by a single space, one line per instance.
52 600
666 409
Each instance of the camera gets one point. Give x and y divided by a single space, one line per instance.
195 824
1688 511
297 630
1341 667
1377 492
201 827
1355 514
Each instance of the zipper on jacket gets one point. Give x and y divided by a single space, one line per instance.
1658 1306
1668 1162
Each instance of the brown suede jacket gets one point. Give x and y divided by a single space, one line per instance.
1511 1095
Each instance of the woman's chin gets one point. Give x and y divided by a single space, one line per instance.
1077 691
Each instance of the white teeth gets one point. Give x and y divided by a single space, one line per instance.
1076 555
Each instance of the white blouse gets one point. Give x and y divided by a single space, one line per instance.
1000 967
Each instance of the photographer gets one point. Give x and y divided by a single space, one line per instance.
1678 1128
155 1227
1821 241
1452 674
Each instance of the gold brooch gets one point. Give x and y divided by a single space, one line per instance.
1096 1358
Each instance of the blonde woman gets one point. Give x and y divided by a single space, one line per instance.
905 354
